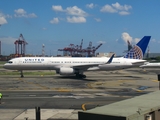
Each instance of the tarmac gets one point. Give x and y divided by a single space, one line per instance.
129 82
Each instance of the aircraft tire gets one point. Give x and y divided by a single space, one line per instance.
80 76
83 76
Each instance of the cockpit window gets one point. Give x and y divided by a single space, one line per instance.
10 62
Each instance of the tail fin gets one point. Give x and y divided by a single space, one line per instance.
138 51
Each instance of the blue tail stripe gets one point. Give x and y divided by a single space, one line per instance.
143 43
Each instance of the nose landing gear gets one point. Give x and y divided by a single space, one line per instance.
21 73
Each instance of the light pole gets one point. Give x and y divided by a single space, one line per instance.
158 75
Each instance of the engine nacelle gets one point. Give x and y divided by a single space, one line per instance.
66 71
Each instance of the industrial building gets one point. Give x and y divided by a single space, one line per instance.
77 50
20 46
105 54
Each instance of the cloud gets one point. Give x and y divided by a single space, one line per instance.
136 40
22 13
155 41
126 37
116 8
75 14
124 13
75 11
91 5
32 15
44 28
103 42
70 10
120 7
54 21
8 46
108 8
76 19
2 19
8 40
98 19
57 8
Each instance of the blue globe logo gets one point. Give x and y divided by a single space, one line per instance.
135 53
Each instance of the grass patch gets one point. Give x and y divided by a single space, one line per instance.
3 62
26 73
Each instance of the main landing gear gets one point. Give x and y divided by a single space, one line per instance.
80 76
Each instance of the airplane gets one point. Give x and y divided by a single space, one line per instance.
150 65
62 65
155 67
78 65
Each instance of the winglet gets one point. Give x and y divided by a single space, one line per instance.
110 59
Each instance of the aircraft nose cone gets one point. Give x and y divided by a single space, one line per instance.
5 66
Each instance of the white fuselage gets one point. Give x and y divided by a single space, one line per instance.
55 63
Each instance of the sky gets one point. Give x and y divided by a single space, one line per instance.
58 23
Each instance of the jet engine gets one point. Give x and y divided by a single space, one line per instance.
66 71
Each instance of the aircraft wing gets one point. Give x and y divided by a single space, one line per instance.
86 66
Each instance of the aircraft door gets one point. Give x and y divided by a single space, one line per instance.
19 62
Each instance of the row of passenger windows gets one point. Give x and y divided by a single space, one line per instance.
64 62
32 62
78 62
88 62
74 62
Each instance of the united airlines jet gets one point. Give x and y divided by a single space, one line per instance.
78 65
